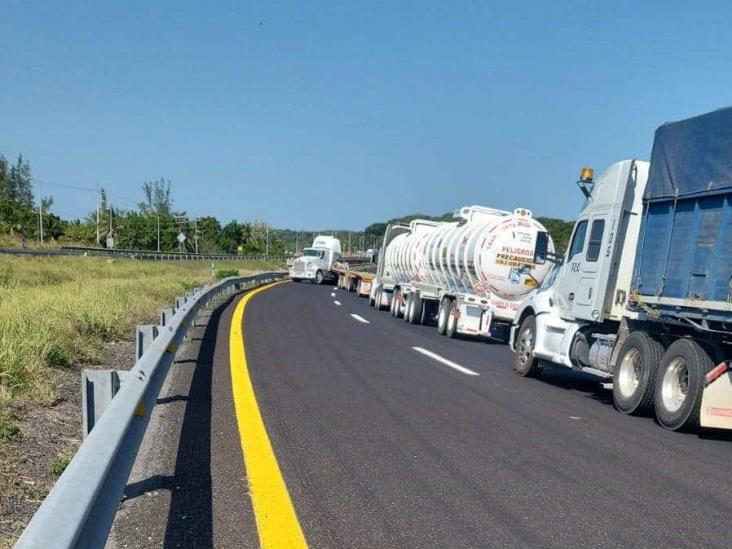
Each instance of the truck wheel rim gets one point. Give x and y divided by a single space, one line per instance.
630 373
675 385
526 345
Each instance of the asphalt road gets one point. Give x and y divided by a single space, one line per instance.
383 446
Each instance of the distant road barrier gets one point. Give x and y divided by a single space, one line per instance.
80 508
133 254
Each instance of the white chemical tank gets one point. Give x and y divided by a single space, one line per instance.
481 252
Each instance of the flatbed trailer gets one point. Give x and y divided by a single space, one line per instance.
355 277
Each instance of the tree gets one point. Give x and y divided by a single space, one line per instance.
5 191
230 237
20 185
157 198
209 230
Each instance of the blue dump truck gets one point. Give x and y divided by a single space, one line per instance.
643 295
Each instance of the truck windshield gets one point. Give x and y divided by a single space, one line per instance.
549 280
312 253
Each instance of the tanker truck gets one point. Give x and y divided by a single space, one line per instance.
644 295
469 274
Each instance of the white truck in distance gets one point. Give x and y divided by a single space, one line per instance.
643 295
469 274
316 263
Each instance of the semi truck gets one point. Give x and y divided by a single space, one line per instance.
469 274
316 263
643 296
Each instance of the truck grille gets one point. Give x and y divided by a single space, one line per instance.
298 267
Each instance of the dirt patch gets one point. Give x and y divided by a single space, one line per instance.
49 437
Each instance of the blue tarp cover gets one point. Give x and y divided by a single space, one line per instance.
692 157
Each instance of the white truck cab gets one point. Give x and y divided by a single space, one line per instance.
592 285
317 261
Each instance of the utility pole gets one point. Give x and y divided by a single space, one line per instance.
40 214
195 232
99 197
267 252
297 241
158 230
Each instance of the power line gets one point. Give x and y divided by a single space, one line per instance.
64 185
121 197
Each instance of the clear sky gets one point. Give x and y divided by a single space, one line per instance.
314 115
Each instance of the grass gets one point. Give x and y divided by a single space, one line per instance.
59 464
58 312
9 431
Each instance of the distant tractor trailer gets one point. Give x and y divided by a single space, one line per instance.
316 263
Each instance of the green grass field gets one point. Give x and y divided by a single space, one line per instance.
58 312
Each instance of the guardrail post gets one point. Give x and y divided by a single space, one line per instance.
98 388
180 301
165 316
146 333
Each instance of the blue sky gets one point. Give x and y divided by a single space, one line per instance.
313 115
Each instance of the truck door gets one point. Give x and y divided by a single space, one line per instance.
590 268
568 279
588 291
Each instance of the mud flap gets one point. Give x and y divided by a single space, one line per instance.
716 406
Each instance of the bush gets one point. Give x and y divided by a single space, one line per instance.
9 431
226 273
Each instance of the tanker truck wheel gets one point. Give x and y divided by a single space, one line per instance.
635 374
408 306
680 385
425 312
442 315
377 299
319 277
415 311
525 363
451 329
396 299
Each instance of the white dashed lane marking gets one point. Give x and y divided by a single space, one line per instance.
446 362
360 318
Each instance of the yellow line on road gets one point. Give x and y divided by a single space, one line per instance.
276 519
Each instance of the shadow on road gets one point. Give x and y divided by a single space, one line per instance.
190 516
571 380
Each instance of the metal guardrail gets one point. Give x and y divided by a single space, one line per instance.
132 254
80 508
148 254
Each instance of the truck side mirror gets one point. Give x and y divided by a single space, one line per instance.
541 249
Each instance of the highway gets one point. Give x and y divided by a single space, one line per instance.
384 434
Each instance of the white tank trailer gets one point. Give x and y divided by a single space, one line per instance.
468 275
